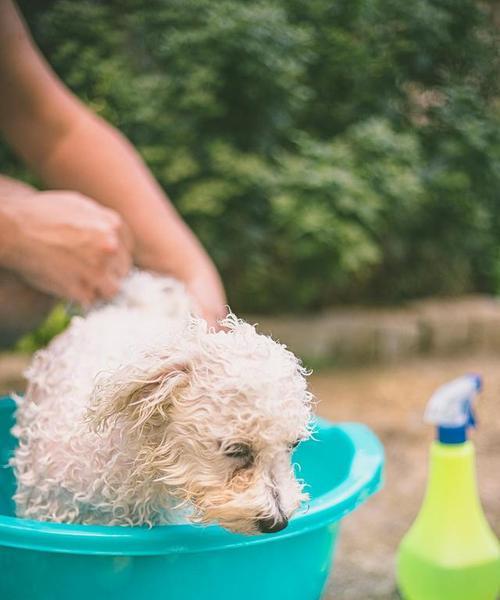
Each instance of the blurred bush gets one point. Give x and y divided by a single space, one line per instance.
56 321
323 151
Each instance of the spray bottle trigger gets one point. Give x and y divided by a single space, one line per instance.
471 417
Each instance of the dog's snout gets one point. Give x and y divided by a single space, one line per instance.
270 525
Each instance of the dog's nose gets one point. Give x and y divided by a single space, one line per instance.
272 525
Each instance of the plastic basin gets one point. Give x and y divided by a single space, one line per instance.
51 561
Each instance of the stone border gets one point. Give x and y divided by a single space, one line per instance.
338 336
370 335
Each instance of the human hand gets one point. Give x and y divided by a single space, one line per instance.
205 287
65 244
166 245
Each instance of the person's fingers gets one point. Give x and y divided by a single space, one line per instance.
213 316
102 280
121 229
106 280
213 309
81 293
107 288
209 299
126 237
121 263
115 257
116 264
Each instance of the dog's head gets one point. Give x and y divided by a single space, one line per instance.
216 421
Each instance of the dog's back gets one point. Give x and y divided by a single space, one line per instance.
55 442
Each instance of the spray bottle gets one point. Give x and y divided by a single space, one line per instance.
450 552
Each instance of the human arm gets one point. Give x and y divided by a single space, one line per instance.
72 149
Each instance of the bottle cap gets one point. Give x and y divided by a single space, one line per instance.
450 408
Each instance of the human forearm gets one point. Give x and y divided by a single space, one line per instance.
72 149
96 160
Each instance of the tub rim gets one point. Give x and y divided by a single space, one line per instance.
365 478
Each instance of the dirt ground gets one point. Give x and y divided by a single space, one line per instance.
389 399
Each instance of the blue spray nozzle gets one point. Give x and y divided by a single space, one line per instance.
450 408
477 379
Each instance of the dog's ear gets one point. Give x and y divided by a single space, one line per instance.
137 396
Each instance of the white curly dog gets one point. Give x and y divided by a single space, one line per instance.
138 409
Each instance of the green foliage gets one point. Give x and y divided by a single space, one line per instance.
56 321
323 151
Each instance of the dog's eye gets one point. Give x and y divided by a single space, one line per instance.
294 445
240 451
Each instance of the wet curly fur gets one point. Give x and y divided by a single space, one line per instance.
138 410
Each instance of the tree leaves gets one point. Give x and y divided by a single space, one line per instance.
323 151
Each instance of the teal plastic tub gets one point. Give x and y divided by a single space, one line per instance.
50 561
